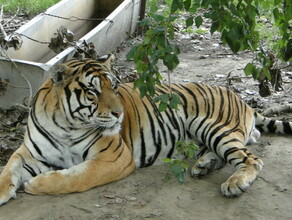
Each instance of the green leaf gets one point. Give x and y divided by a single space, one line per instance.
176 49
176 4
189 21
162 106
144 22
214 27
171 61
167 160
153 8
174 101
131 54
288 12
158 18
251 69
172 18
267 73
233 39
181 177
276 2
177 169
288 51
164 97
161 41
234 10
276 13
198 21
193 9
187 4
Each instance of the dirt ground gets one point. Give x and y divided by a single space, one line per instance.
151 193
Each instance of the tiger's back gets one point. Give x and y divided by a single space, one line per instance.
206 113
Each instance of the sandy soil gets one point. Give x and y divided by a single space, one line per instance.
151 193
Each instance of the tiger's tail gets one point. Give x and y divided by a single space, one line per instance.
265 124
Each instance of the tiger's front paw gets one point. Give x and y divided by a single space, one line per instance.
36 185
45 183
235 186
7 191
241 180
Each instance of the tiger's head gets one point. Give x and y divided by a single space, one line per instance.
89 94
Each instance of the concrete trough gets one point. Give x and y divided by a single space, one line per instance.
34 59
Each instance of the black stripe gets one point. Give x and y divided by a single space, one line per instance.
240 162
287 127
143 148
29 169
85 153
68 96
119 154
219 117
173 142
153 130
33 143
43 132
229 151
82 137
202 151
45 96
194 98
271 126
227 121
93 141
119 144
129 164
57 123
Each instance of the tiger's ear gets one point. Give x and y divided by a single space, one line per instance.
107 60
59 72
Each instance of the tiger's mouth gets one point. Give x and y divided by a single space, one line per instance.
108 126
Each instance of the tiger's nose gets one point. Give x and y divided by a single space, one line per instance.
117 113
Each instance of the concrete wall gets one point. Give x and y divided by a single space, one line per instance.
34 60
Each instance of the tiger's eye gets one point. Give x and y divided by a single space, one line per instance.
90 93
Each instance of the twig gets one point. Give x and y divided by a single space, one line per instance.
82 209
169 82
21 74
14 86
23 106
1 26
41 42
288 90
11 19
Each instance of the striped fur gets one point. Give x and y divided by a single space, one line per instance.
84 131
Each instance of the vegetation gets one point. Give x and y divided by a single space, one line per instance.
31 7
240 23
180 167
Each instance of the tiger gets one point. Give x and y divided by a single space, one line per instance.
85 129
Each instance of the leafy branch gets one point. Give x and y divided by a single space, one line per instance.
180 167
156 47
237 22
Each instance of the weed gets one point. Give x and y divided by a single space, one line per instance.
179 167
31 7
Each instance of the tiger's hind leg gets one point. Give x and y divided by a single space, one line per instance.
248 167
207 162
